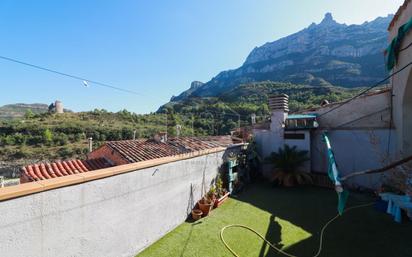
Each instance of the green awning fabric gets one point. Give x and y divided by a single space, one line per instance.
333 174
393 50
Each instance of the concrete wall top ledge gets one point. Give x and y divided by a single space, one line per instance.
11 192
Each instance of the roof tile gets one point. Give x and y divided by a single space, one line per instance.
42 171
147 149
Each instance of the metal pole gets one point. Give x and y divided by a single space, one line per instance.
193 127
90 144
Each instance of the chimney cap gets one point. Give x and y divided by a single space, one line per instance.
279 96
279 102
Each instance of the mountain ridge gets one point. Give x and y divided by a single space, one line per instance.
18 110
324 54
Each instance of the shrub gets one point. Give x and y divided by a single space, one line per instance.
20 139
287 162
29 114
65 152
21 153
47 136
34 140
60 139
8 140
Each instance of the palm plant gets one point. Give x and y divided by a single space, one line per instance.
288 161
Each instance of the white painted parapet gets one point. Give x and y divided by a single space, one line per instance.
120 214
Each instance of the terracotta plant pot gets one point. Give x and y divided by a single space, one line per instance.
205 206
288 182
197 214
219 201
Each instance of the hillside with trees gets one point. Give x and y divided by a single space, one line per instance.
48 136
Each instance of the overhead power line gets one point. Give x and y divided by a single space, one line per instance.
69 75
366 90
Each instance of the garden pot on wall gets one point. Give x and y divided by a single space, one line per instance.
205 206
197 214
219 201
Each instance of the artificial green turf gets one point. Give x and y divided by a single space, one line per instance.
290 218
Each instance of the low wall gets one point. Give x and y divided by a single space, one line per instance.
119 215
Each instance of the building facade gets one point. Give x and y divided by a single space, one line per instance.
402 82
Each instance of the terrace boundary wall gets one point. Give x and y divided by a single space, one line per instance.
113 212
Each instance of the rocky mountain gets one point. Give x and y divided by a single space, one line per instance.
193 87
324 54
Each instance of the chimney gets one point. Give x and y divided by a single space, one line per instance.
253 118
178 130
279 108
160 137
90 144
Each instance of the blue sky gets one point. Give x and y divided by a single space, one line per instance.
155 48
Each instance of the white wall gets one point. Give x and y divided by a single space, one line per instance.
402 87
355 150
368 112
265 141
116 216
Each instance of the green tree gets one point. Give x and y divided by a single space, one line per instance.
47 136
29 114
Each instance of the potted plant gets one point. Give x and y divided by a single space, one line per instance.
221 193
196 214
212 193
287 162
205 205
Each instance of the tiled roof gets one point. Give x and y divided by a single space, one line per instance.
223 141
43 171
398 13
147 149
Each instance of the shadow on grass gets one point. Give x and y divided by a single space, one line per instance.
273 236
360 232
189 235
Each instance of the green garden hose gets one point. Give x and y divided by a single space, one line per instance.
278 249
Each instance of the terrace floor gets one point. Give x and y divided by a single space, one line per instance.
290 218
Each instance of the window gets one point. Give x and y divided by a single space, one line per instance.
294 136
